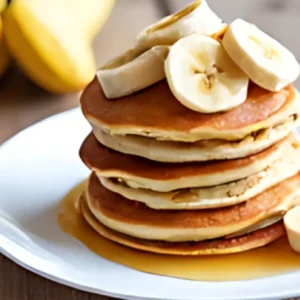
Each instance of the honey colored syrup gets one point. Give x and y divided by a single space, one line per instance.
274 259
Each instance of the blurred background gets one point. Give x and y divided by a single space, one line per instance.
23 101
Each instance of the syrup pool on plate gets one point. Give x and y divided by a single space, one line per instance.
275 259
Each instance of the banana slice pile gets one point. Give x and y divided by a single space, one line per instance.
208 64
143 65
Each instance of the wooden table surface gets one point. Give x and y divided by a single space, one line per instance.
22 103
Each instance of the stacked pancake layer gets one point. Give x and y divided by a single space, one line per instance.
193 149
169 180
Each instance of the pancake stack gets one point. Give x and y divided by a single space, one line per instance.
168 179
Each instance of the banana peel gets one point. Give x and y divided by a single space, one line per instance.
51 43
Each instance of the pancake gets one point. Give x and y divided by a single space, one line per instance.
213 197
245 242
137 220
166 151
138 172
155 112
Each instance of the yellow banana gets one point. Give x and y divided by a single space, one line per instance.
92 14
3 4
51 41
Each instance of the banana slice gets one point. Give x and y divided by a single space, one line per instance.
143 65
132 71
203 77
268 63
292 226
195 18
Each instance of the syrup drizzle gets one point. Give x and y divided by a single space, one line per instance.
274 259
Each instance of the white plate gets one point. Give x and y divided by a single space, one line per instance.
38 167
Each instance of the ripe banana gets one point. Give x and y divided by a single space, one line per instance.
92 14
3 4
143 65
292 225
267 63
203 77
51 43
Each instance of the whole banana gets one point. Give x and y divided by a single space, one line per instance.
51 40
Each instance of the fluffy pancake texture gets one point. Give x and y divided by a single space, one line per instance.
168 151
138 220
138 172
155 112
245 242
217 196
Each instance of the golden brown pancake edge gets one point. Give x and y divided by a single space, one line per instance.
155 108
246 242
116 207
98 157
